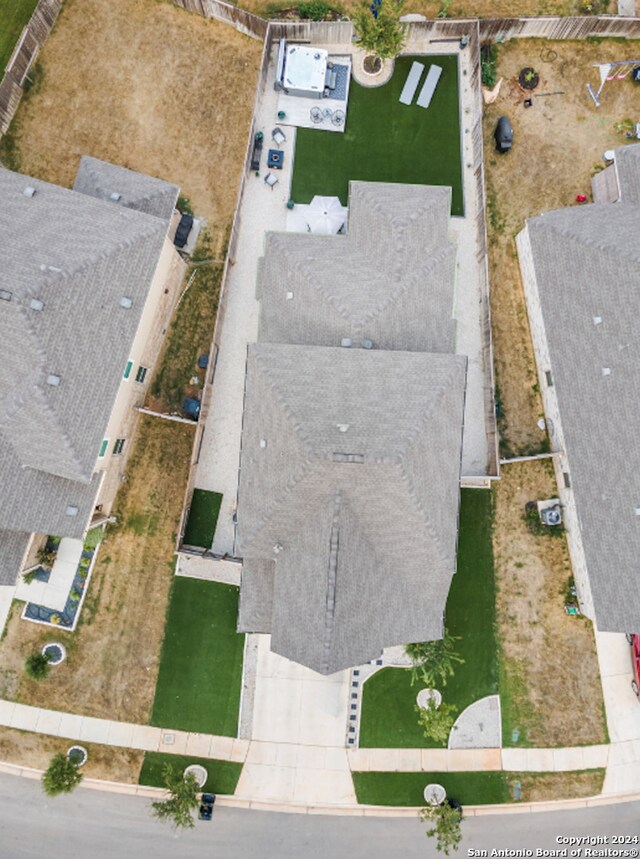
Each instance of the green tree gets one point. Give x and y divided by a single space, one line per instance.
62 776
436 722
383 36
433 660
178 808
36 665
446 831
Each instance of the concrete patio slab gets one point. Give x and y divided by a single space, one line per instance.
479 726
210 569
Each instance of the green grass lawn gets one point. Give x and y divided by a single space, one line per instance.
223 775
398 788
203 518
14 15
388 716
475 788
385 141
200 675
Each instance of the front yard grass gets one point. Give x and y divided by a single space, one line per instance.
200 673
223 775
388 716
113 655
203 518
385 141
475 788
14 15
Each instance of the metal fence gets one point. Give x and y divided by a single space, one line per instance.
31 40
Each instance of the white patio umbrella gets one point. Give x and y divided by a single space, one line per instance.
326 215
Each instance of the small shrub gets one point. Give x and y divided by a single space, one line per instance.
55 619
62 776
433 660
75 595
29 577
37 666
447 819
184 205
314 10
46 555
488 57
182 801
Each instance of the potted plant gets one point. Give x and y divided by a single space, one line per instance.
528 78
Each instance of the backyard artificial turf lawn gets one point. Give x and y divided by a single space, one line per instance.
14 15
203 518
200 674
223 775
388 717
385 141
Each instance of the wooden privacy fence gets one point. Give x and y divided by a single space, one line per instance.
31 40
245 22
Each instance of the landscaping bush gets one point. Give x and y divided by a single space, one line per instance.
447 819
182 801
37 666
384 35
315 10
433 660
488 57
62 776
436 722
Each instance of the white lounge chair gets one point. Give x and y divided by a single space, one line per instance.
411 83
427 91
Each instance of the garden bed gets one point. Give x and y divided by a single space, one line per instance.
203 518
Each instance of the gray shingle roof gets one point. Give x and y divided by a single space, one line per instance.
101 179
256 595
390 280
13 547
351 463
74 258
628 169
587 263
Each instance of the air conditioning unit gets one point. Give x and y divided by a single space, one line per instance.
551 515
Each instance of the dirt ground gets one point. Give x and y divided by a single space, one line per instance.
113 656
550 681
543 787
558 143
147 85
36 750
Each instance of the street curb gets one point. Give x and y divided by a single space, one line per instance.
337 810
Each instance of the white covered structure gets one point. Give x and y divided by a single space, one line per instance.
301 70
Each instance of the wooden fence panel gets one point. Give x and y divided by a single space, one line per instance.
559 28
31 40
243 21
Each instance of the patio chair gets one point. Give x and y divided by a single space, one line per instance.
278 136
271 180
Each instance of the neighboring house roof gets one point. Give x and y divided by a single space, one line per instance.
390 280
13 548
66 263
627 166
587 267
135 190
349 480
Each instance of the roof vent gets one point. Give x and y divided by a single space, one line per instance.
346 342
126 302
71 510
606 371
597 320
289 296
43 267
29 191
343 427
367 344
115 196
54 268
263 443
53 380
278 548
5 295
36 304
636 510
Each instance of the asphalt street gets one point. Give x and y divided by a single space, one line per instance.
89 824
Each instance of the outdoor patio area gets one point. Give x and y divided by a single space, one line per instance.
328 113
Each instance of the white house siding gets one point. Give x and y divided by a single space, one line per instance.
554 424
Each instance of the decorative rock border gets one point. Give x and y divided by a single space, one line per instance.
82 752
368 79
61 649
198 772
434 794
425 696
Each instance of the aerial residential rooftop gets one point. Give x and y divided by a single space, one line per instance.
582 275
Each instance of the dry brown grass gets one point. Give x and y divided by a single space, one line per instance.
544 787
430 8
550 681
147 85
557 143
113 656
36 750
